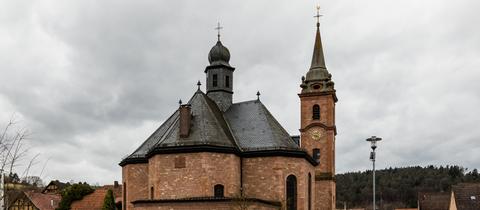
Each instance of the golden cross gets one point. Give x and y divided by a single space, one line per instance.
318 15
218 28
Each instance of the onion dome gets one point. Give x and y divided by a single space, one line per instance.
219 54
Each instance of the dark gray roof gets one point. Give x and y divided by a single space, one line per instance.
245 126
254 127
467 196
207 128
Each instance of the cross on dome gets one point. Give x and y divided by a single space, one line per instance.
218 28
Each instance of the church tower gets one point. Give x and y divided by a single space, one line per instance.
220 75
317 124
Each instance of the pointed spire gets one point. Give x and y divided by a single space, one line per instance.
318 60
199 84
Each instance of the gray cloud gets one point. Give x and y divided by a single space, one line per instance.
92 79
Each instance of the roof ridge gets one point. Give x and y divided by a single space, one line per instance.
269 115
152 135
227 131
254 100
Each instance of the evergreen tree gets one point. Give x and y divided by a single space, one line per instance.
109 201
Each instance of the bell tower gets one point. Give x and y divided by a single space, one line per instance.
317 123
220 75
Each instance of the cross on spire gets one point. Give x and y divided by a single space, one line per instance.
218 28
318 16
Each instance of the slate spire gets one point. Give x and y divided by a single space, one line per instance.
318 60
317 79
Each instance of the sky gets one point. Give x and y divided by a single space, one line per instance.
91 80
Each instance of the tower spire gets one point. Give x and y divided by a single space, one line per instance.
318 60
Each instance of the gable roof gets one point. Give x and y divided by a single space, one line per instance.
434 201
60 185
43 201
94 201
467 196
244 127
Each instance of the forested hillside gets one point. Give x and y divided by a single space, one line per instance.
398 187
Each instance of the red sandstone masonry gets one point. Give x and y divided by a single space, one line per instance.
265 178
202 206
325 189
202 172
134 178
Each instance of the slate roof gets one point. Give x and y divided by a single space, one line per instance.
434 201
255 128
244 127
467 196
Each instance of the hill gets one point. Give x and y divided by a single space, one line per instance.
398 187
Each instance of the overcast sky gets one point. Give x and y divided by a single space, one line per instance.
93 79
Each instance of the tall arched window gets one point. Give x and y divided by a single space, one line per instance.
218 191
291 192
316 112
309 191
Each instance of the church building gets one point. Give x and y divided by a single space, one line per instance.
213 154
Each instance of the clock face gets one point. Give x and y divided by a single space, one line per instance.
316 133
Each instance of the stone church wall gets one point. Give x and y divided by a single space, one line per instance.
203 206
134 176
326 197
193 175
265 178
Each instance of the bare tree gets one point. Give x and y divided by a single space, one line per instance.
14 153
12 146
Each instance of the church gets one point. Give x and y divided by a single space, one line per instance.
213 154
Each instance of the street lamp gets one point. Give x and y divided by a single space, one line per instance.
373 143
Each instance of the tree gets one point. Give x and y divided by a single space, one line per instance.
109 201
73 193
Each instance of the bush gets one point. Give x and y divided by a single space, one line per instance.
73 193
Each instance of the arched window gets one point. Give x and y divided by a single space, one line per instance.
316 112
227 81
218 191
309 191
291 192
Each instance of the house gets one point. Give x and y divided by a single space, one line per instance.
95 200
463 196
55 187
32 200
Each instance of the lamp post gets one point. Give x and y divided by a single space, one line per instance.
373 143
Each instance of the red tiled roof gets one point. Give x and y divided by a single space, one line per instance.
94 201
434 201
44 201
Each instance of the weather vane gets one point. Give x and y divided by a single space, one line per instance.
218 28
318 15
